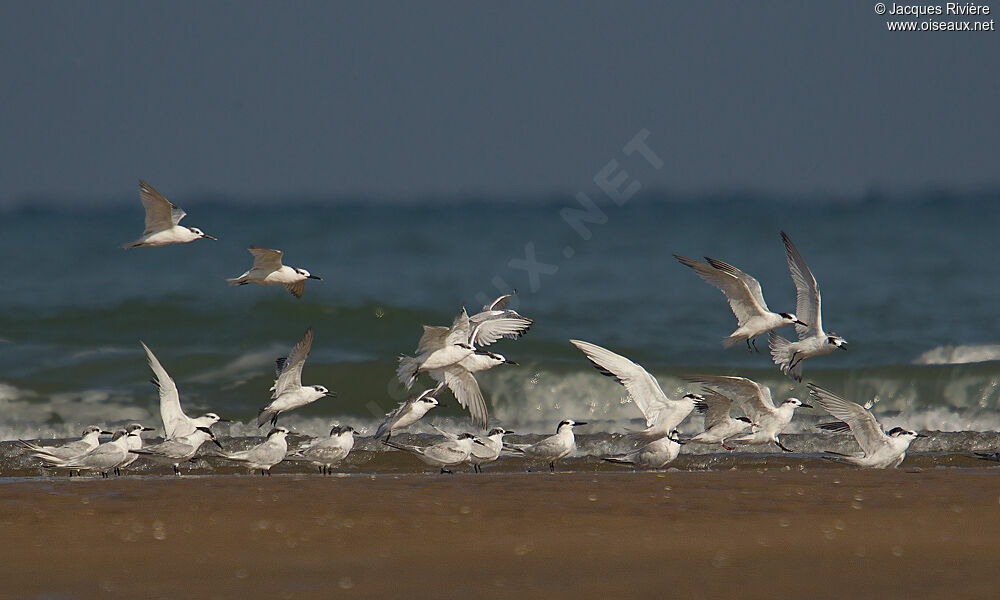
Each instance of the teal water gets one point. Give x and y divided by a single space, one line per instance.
910 283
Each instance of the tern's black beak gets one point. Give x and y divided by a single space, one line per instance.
216 442
798 322
205 235
511 362
579 423
922 435
148 429
106 433
843 346
314 277
804 405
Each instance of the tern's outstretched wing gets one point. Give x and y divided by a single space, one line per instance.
448 452
641 386
752 284
174 419
500 303
434 338
467 392
290 377
807 305
161 214
715 406
490 326
741 299
265 259
460 330
862 422
753 398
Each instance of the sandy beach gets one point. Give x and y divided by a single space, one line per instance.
770 533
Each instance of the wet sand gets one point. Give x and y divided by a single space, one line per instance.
774 533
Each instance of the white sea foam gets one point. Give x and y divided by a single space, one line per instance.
959 355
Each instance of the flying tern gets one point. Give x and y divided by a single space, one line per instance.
162 218
745 299
813 341
880 449
288 393
264 455
768 421
496 321
662 413
175 422
654 455
407 413
268 270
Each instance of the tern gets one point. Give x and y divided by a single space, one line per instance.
175 422
104 458
407 413
134 442
488 449
719 426
268 270
264 455
662 413
447 355
444 454
654 455
328 451
880 449
162 218
813 341
179 449
745 299
288 393
767 420
496 321
554 447
89 439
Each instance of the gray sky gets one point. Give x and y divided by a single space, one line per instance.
400 100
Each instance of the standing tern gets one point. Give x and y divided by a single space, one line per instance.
813 341
488 450
767 420
268 270
407 413
288 393
554 447
328 451
745 299
162 218
90 439
134 442
104 458
719 426
662 413
264 455
496 321
177 450
444 454
879 449
654 455
175 422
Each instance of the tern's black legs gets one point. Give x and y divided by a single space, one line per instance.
552 467
444 470
782 446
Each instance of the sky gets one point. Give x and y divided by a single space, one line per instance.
405 100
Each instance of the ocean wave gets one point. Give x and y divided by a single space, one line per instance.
959 355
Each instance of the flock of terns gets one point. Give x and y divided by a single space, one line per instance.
451 356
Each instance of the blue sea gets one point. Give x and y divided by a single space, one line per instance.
912 283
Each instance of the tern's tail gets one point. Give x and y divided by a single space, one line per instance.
618 460
783 355
734 339
236 281
407 371
135 244
265 415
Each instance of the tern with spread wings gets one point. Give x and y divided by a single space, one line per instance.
162 218
268 270
175 422
288 393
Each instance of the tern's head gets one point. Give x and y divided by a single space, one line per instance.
200 233
675 437
341 430
93 430
277 432
208 434
836 341
214 418
137 429
500 431
796 403
306 274
791 318
118 434
569 424
429 402
495 358
693 397
322 391
899 432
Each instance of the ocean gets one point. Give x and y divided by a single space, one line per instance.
910 282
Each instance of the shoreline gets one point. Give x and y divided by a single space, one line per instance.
758 534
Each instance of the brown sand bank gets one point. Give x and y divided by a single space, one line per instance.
822 533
